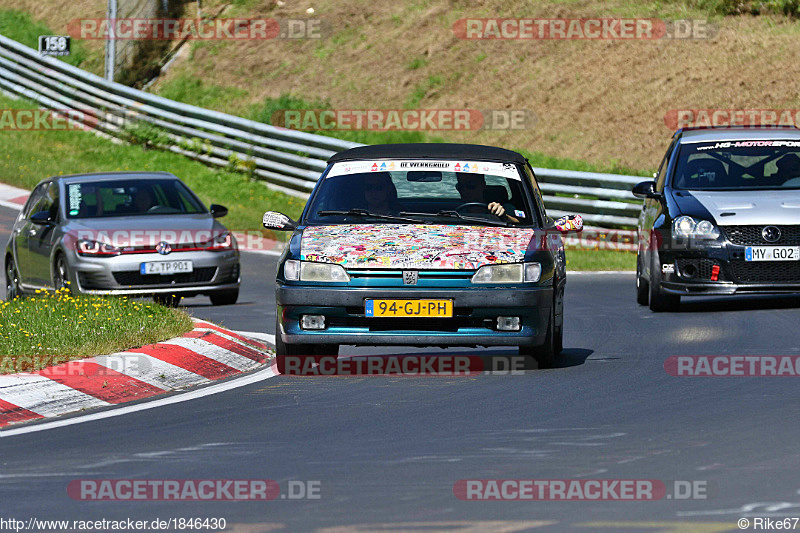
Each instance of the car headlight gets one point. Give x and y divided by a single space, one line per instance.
94 248
294 270
510 273
684 226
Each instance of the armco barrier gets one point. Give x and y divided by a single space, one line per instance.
286 159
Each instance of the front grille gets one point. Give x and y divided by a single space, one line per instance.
410 324
398 274
751 235
766 271
199 275
696 268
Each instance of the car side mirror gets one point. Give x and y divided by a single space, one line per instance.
569 224
42 218
646 189
278 221
218 211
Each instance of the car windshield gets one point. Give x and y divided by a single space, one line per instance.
116 198
401 192
738 165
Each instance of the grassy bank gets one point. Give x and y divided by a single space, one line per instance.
53 328
30 156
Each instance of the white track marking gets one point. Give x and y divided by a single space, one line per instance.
151 370
44 396
241 381
211 351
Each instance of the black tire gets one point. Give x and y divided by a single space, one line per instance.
224 297
283 349
61 274
13 289
167 300
642 286
545 354
659 300
558 339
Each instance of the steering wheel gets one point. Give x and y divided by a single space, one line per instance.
476 204
472 204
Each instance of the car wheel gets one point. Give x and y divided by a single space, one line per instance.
224 297
12 281
167 300
642 286
61 274
558 338
659 300
545 354
283 349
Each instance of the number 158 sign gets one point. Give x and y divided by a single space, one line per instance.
54 45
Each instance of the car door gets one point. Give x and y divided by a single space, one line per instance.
41 237
22 232
651 210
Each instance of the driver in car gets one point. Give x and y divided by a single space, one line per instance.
472 187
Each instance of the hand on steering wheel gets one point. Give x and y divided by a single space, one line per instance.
498 212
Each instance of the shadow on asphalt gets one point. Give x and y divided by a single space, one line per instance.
738 303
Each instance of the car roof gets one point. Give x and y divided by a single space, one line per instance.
111 176
471 152
736 134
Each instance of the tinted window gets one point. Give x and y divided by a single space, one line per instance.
33 200
732 165
116 198
426 192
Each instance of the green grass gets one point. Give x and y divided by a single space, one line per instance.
55 327
600 260
20 27
27 157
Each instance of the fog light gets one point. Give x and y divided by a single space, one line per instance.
508 323
312 322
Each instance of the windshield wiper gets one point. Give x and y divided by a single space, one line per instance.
449 213
365 213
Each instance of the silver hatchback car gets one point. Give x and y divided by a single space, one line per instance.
122 233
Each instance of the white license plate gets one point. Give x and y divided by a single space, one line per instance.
772 253
166 267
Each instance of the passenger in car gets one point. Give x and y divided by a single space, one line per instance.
472 188
789 170
380 193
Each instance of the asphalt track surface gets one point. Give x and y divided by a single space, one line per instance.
387 451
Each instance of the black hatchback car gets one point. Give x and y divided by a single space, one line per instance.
721 217
423 245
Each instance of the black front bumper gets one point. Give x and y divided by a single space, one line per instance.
473 323
693 271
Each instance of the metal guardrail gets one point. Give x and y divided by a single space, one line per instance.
287 159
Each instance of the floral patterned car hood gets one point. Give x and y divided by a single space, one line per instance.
417 246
